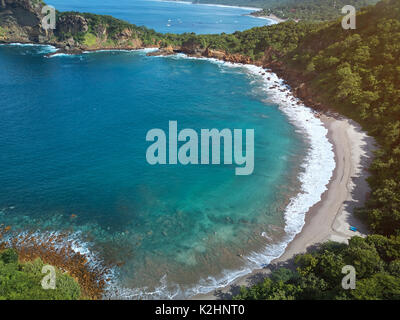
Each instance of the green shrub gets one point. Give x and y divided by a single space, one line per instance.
22 281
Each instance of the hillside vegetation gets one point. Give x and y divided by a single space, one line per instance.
95 31
357 73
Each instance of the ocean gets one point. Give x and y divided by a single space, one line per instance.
73 158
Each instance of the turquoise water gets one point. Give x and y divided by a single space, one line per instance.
72 142
169 16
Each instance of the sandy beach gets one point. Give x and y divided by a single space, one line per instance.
330 218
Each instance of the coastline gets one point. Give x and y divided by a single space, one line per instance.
271 17
210 4
323 210
331 217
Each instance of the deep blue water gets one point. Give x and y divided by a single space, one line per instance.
172 17
72 142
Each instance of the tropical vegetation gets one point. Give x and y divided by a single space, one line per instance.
315 10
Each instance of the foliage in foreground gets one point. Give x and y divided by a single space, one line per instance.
318 274
22 280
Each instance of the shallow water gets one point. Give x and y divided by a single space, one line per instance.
72 157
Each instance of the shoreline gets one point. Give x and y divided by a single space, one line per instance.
352 153
272 17
331 217
190 2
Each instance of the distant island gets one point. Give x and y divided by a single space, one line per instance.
352 72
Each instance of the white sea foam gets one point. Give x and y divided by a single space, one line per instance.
60 55
318 167
145 50
18 44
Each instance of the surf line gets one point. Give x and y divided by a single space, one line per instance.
188 153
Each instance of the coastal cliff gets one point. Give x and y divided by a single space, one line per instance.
21 21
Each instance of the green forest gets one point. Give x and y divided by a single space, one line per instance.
314 10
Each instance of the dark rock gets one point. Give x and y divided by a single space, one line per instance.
72 24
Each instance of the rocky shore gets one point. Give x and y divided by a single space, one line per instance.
21 22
